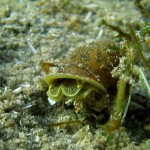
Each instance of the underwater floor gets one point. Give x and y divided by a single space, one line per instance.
36 31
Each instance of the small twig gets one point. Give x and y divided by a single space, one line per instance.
33 50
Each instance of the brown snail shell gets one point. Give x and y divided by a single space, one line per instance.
87 67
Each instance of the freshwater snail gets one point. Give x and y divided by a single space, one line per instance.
84 76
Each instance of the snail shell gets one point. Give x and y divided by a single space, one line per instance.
84 71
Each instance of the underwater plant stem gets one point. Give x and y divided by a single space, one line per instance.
145 81
143 11
120 96
115 119
117 29
139 50
127 106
